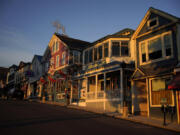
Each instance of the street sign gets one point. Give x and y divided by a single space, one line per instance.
163 101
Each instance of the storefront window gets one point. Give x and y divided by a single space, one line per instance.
159 91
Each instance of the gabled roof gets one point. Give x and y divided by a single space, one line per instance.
158 12
125 33
39 57
22 64
13 66
73 43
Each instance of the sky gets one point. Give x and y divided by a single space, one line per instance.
26 25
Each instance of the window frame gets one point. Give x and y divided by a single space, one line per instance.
151 20
164 57
57 61
78 53
63 58
120 47
106 43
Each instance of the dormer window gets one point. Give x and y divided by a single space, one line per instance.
153 23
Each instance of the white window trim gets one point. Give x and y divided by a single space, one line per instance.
120 47
149 21
150 88
96 46
163 49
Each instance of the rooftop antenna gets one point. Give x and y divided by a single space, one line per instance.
59 26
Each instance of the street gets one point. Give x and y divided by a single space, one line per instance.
23 117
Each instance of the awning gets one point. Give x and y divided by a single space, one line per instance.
175 84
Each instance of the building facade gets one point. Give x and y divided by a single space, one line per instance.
65 59
104 82
157 43
34 89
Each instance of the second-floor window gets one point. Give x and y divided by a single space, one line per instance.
156 48
120 48
63 58
100 53
95 54
90 55
86 57
106 50
76 56
55 46
57 61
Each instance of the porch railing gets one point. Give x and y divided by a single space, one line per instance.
101 94
113 94
91 95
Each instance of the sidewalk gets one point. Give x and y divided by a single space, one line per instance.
139 119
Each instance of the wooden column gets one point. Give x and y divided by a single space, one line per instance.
104 91
96 86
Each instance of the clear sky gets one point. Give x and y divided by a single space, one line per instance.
26 25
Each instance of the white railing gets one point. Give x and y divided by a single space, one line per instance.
113 94
109 94
60 96
100 94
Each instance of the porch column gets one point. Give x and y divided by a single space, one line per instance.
147 90
71 92
104 91
110 49
96 86
121 91
133 96
79 81
86 86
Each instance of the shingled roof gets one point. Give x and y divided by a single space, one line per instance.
73 43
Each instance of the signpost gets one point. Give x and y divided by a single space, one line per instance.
164 108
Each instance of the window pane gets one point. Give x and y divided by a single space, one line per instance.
143 52
115 49
158 84
167 44
76 57
56 45
100 52
124 48
86 57
155 49
95 54
90 55
71 58
106 50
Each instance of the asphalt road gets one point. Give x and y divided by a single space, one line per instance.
30 118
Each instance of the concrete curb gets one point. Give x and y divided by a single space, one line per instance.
113 116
